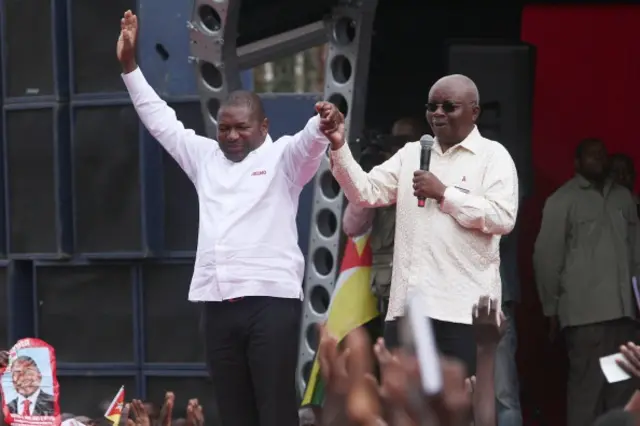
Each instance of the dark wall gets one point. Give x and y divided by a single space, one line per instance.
409 50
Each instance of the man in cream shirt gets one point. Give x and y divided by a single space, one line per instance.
446 253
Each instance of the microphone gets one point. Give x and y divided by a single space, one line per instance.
426 143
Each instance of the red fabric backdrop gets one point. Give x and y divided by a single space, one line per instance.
587 84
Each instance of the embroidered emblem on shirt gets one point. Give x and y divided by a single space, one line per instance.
259 172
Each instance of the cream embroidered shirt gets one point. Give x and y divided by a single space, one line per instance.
447 255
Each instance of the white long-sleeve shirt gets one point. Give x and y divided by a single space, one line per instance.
447 255
247 238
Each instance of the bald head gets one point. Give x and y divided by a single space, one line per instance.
459 83
453 108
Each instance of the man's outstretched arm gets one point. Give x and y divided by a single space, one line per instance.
182 144
305 149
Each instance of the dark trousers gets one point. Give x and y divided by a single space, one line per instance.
252 347
588 393
453 340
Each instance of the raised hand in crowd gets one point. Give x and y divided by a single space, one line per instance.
166 412
195 415
631 364
489 325
134 414
347 373
631 361
126 47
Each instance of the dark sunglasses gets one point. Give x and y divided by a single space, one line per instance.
447 106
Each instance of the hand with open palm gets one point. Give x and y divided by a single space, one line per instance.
126 47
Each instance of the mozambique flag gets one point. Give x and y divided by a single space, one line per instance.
114 412
352 305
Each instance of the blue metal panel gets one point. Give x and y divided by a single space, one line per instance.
61 137
98 369
59 31
174 373
20 280
152 192
246 78
90 371
62 167
164 46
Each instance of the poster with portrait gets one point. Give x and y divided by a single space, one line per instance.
29 385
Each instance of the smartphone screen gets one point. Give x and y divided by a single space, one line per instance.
416 336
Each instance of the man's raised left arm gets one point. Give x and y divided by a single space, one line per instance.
495 210
303 154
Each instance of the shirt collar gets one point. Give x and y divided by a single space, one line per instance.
470 143
584 183
33 398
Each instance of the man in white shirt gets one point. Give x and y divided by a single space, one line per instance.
447 253
27 381
248 268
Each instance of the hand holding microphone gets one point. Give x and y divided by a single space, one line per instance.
426 184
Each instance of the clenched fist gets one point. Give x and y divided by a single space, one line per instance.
331 123
427 185
126 48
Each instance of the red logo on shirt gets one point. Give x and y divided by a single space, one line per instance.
259 172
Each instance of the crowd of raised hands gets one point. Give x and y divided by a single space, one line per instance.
368 385
139 413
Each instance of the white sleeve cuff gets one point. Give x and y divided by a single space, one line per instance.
314 126
134 78
452 201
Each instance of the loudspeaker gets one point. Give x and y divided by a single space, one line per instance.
107 181
504 74
34 49
86 303
37 181
165 289
94 32
180 198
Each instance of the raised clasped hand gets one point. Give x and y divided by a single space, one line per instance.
331 122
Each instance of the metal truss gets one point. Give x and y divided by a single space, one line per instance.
347 67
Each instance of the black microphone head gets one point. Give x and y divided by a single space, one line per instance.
426 141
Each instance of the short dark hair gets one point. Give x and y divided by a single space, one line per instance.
245 98
584 143
24 359
623 158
